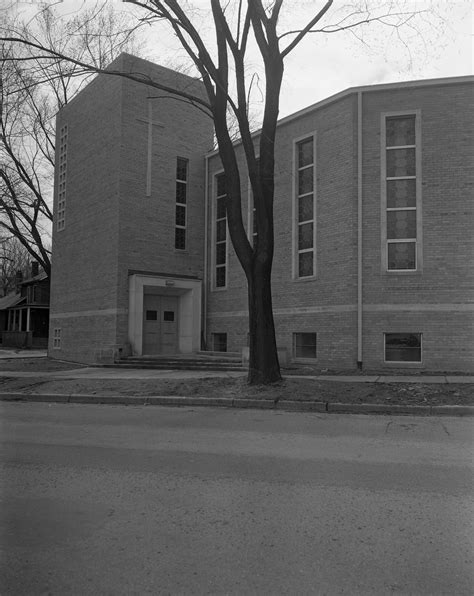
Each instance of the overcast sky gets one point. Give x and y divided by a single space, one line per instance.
326 64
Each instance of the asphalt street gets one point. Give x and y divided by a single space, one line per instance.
140 500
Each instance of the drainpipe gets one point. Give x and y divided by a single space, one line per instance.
359 230
206 222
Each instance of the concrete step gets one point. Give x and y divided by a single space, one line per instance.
210 366
200 361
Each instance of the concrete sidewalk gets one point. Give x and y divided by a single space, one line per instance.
91 372
137 373
9 353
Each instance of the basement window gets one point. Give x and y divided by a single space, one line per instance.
402 347
57 339
304 345
219 342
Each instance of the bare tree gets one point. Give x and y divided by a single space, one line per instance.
243 33
32 89
14 258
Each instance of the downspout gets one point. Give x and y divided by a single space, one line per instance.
359 230
205 276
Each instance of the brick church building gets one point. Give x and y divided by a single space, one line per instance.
373 227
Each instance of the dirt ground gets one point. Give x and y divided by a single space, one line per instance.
37 365
291 388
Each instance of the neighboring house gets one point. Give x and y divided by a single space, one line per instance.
24 315
10 301
373 227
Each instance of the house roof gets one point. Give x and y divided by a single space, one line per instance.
40 277
10 300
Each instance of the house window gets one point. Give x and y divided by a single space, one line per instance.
181 198
219 342
305 208
402 347
57 339
304 345
220 233
62 166
401 192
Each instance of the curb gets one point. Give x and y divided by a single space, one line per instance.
227 402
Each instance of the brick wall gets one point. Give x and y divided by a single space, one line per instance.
84 271
305 305
112 227
147 223
435 301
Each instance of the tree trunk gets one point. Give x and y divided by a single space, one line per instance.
264 367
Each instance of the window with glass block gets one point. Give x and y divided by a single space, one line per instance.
305 208
220 247
62 171
181 203
57 338
401 192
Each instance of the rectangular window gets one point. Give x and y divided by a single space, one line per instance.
57 339
62 170
305 208
400 192
219 342
252 220
402 347
181 203
220 258
304 345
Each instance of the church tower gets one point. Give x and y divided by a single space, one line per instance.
129 210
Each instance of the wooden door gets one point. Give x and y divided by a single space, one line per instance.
151 324
169 324
160 324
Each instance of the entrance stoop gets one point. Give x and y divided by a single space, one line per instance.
213 361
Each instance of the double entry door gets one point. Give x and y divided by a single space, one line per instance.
160 324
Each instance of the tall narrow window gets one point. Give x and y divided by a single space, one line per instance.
181 198
305 208
220 233
57 339
401 171
62 167
252 218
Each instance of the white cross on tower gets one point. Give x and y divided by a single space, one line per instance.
150 123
